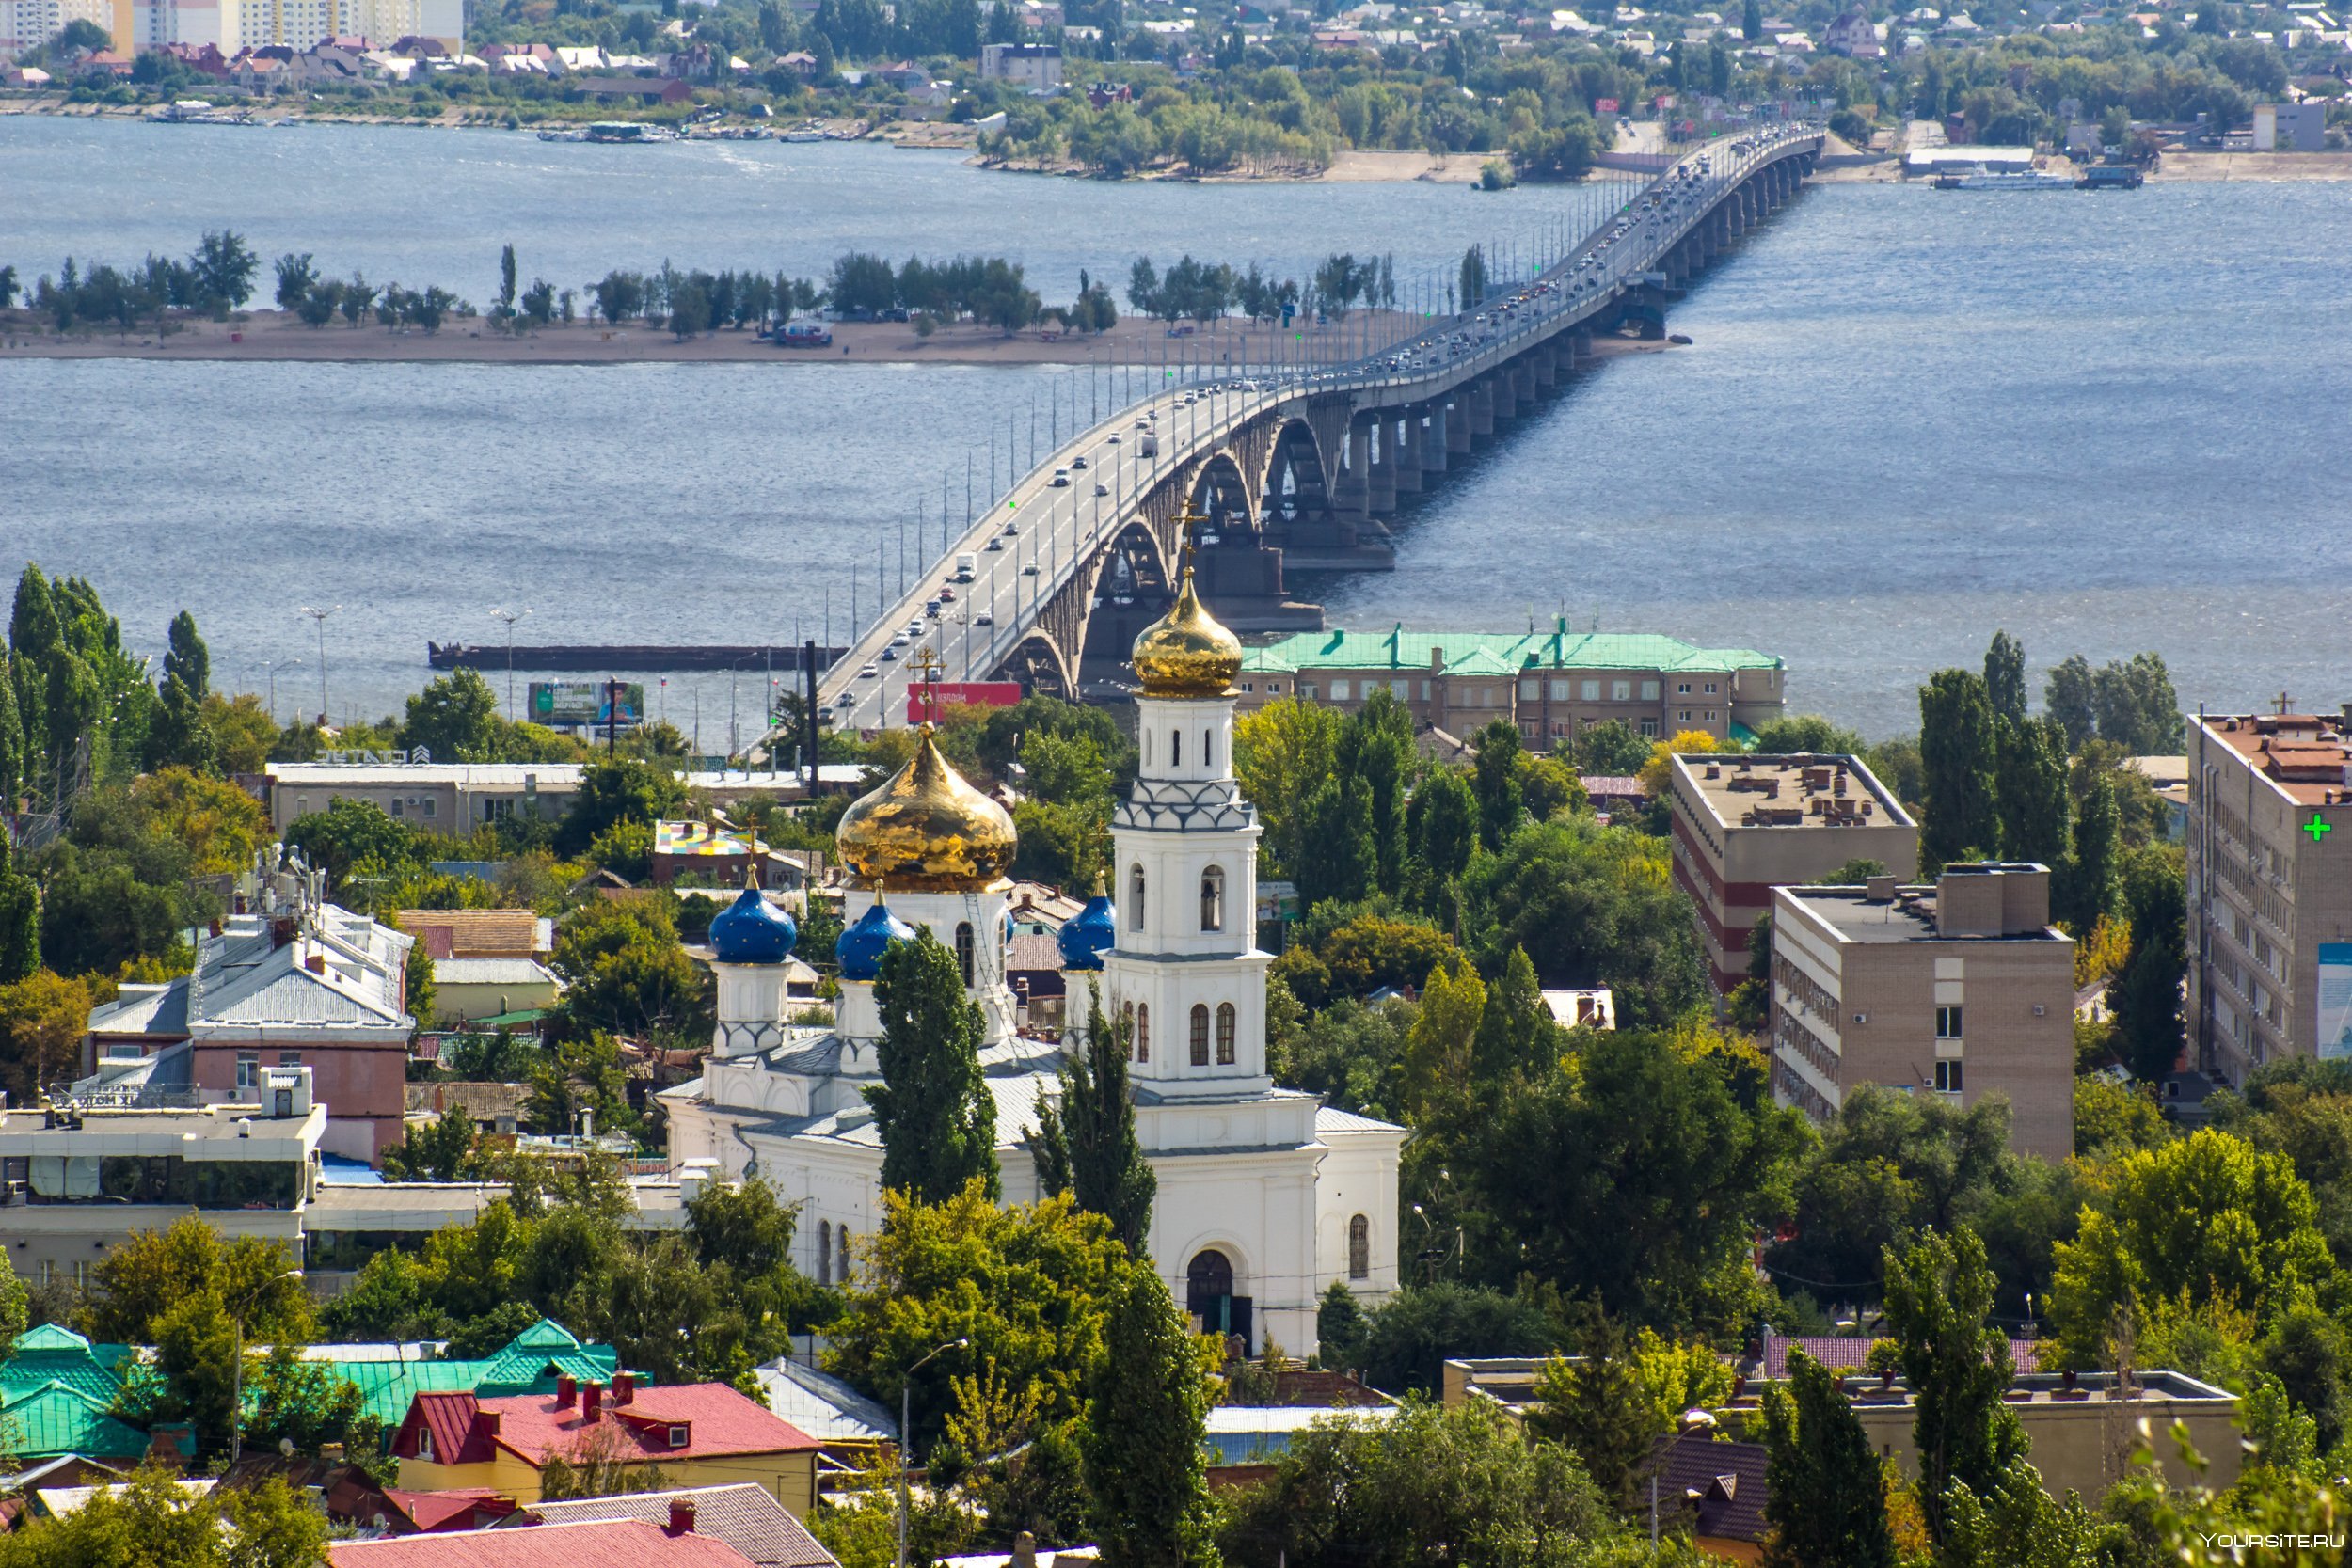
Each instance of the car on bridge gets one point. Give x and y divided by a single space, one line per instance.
1101 489
983 619
869 672
1061 479
1077 462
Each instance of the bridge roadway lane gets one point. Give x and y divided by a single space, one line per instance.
1028 545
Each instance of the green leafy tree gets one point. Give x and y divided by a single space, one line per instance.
1030 1290
20 919
1339 857
2205 1219
1613 749
1146 1433
2070 696
15 1313
1408 1338
625 972
437 1150
1799 732
1384 1494
1088 1148
581 1085
1495 781
2146 1001
1956 748
455 719
1446 834
1376 747
2010 1521
187 659
2030 793
1939 1292
937 1119
2005 677
2136 706
152 1273
617 789
1282 752
152 1522
221 271
1827 1506
14 766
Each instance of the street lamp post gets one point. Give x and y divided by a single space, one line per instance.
320 617
905 1449
236 1363
510 617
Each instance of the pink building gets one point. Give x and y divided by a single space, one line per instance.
289 980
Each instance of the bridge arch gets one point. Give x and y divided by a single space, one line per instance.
1221 493
1295 482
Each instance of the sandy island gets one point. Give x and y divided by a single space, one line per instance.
279 336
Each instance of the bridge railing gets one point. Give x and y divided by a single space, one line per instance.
1590 275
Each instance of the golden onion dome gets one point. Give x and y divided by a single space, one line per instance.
1186 652
925 830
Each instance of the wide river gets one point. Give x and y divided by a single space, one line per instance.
1910 417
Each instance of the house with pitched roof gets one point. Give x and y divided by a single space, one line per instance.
698 1434
743 1515
588 1543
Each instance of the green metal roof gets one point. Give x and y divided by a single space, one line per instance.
529 1364
55 1419
1490 653
50 1354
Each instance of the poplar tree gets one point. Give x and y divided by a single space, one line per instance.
1516 1032
1827 1502
2005 677
1956 756
2030 791
937 1119
1448 826
1146 1467
2146 1001
2088 888
19 921
12 741
1088 1148
1939 1290
1375 746
1495 781
187 659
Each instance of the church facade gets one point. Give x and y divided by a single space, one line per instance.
1266 1197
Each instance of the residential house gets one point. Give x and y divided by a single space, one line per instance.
588 1544
1717 1488
740 1515
289 980
853 1429
699 1433
645 91
58 1393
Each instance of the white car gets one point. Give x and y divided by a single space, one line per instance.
1101 489
983 619
869 672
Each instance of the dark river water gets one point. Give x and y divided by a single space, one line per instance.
2104 422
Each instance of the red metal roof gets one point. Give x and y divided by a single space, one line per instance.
603 1543
716 1420
451 1510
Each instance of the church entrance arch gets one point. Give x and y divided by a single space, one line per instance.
1209 1296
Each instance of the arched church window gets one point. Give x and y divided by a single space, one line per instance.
1359 1248
1143 1031
1225 1034
824 1252
1129 1018
964 949
841 1263
1175 747
1213 898
1200 1034
1135 899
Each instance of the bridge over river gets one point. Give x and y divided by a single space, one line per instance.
1285 464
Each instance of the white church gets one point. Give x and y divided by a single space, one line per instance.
1266 1197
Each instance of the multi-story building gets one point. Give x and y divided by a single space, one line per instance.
1961 990
289 980
29 24
1553 684
1034 66
1744 825
79 1177
2269 889
229 26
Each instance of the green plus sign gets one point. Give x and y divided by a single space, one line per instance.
2317 829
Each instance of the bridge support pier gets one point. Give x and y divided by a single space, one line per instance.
1505 381
1523 380
1411 445
1381 471
1546 361
1481 410
1458 422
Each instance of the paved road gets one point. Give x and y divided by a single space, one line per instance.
1025 546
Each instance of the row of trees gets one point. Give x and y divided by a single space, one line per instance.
1204 290
214 279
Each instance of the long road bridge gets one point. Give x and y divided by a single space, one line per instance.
1050 585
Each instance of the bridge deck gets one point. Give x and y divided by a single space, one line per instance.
1029 545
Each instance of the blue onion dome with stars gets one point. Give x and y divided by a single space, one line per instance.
861 945
1090 933
750 930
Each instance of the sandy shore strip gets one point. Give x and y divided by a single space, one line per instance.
267 335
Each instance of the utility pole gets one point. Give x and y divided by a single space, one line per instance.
319 616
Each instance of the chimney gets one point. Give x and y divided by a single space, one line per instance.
315 963
565 1392
1023 1551
1878 889
592 1401
624 1388
330 1453
682 1515
486 1422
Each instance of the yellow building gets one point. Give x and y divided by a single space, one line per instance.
699 1433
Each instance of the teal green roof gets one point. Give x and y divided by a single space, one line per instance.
50 1354
1495 653
529 1364
55 1419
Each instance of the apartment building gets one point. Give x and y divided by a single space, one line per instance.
1961 990
29 24
2269 889
1744 825
1553 684
1034 66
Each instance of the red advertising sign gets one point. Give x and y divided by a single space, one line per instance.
1604 105
927 701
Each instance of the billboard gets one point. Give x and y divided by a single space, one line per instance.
1604 105
925 703
2333 1034
575 704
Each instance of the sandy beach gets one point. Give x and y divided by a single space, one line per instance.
275 336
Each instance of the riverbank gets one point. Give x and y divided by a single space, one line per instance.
2172 168
278 337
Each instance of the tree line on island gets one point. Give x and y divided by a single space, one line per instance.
1439 901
